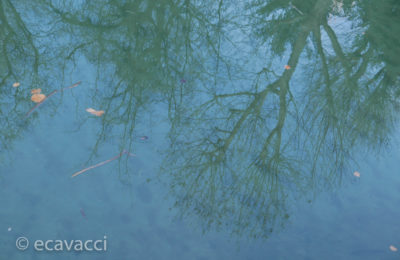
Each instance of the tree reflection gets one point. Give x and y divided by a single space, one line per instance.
244 154
246 139
142 50
146 53
19 61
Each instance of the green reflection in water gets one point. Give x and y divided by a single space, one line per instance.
247 136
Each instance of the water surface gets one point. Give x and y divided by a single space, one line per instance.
247 121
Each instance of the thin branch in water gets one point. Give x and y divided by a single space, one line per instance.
103 163
295 8
51 94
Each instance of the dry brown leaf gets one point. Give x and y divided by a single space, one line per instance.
16 84
95 112
36 91
287 67
99 113
37 98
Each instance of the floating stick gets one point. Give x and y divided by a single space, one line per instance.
295 8
102 163
51 94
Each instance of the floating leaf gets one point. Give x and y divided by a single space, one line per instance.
393 248
95 112
36 91
37 98
287 67
357 174
16 84
51 94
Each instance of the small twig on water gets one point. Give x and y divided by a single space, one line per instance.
295 8
51 94
102 163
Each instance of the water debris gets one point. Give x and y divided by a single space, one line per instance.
393 248
357 174
103 163
16 85
37 98
295 8
51 94
287 67
36 91
95 112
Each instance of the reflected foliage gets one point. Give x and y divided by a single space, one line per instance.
20 60
266 101
143 50
291 132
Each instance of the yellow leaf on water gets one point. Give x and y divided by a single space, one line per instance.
95 112
37 98
16 84
36 91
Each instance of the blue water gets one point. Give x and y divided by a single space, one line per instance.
41 201
215 174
